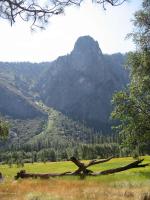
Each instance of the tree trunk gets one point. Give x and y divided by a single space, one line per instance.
23 174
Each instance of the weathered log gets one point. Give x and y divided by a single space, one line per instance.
1 177
23 174
82 169
132 165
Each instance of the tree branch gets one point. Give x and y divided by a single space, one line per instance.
83 167
28 10
120 169
94 162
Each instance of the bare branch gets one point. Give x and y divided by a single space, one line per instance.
94 162
132 165
29 10
83 167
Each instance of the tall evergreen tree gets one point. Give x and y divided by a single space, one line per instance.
4 129
132 105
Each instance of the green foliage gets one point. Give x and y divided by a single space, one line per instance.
4 129
132 105
59 139
141 23
21 131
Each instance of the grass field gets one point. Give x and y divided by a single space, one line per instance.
131 184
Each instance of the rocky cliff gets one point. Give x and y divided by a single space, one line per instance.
81 83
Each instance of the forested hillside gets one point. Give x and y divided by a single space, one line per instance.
56 139
76 91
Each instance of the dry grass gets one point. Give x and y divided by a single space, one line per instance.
58 189
132 184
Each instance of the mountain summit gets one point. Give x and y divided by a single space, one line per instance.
86 50
87 45
81 84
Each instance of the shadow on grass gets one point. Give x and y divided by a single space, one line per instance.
145 174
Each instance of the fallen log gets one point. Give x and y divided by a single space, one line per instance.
120 169
83 167
82 170
23 174
1 177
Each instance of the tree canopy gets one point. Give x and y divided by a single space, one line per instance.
39 12
4 129
132 105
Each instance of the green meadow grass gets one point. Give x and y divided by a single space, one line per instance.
133 184
136 176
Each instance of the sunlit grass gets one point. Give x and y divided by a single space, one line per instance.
130 184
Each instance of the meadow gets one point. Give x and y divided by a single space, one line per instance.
131 184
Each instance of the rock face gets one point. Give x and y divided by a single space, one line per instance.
15 105
16 82
81 84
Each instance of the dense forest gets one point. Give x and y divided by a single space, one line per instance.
59 139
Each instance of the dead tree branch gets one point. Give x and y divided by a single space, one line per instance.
82 169
120 169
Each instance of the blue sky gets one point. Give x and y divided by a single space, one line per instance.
108 27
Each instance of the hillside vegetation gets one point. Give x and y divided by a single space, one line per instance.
56 139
